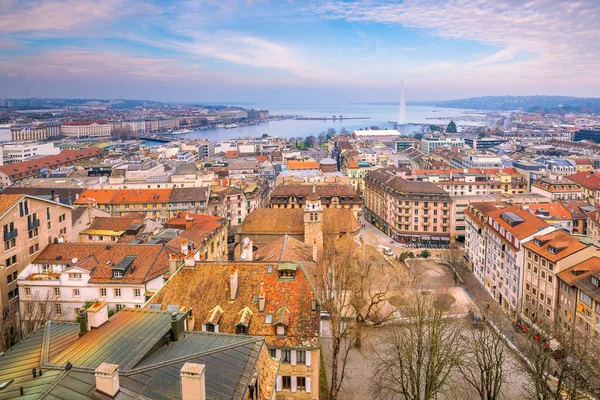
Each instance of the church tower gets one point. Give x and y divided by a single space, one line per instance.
313 220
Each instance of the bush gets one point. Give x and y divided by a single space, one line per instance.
411 254
425 254
403 257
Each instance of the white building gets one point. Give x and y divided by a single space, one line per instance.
86 129
21 151
428 143
67 275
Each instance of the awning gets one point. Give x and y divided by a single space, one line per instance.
435 238
445 239
425 237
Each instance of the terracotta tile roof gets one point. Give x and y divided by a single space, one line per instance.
332 189
208 285
32 167
386 176
589 180
188 220
583 161
554 210
581 271
140 196
291 221
150 261
563 243
285 249
8 201
99 196
530 226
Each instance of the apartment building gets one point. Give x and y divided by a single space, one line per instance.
112 229
86 129
274 300
71 274
557 190
18 152
503 230
29 224
547 256
590 183
407 211
332 194
578 307
429 143
506 181
198 236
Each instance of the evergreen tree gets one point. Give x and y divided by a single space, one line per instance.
451 128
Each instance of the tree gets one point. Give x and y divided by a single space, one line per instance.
454 260
482 365
310 141
321 138
425 254
451 128
351 296
417 357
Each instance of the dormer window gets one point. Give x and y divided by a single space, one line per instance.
241 330
117 274
551 250
538 242
287 271
288 275
595 281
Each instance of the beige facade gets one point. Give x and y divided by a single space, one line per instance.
548 255
28 225
86 129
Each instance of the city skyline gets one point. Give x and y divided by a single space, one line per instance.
295 52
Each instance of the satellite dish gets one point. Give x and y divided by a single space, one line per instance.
74 260
243 256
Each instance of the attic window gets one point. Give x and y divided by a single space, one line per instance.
537 242
269 319
595 281
117 274
241 330
287 274
551 250
269 269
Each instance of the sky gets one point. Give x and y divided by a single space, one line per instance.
295 52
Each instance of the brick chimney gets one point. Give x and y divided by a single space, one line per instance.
97 314
173 262
193 383
107 379
233 284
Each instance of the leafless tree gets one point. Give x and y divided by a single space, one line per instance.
352 297
21 320
416 359
482 366
454 260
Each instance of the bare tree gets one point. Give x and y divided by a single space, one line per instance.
417 357
454 260
22 319
482 365
353 295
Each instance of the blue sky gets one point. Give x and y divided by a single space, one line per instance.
298 51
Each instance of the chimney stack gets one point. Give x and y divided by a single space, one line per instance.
233 284
83 322
172 264
107 379
247 252
174 326
97 314
193 384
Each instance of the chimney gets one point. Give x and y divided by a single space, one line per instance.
261 302
83 322
247 253
193 385
233 284
175 329
107 379
189 262
172 264
184 247
97 314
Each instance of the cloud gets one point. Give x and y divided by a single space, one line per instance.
561 35
20 16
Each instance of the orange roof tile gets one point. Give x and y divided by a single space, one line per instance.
563 243
7 201
141 196
531 225
293 165
98 196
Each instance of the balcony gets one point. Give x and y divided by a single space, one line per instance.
10 235
33 224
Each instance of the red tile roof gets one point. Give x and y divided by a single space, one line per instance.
97 196
563 243
589 180
141 196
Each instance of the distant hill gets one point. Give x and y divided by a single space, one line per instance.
525 103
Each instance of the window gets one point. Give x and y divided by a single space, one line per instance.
47 212
286 382
137 292
58 309
117 292
57 291
9 244
62 218
287 274
273 353
76 292
280 330
75 276
27 291
241 330
33 233
301 356
103 292
268 318
10 261
586 298
301 383
117 274
286 355
34 249
119 306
